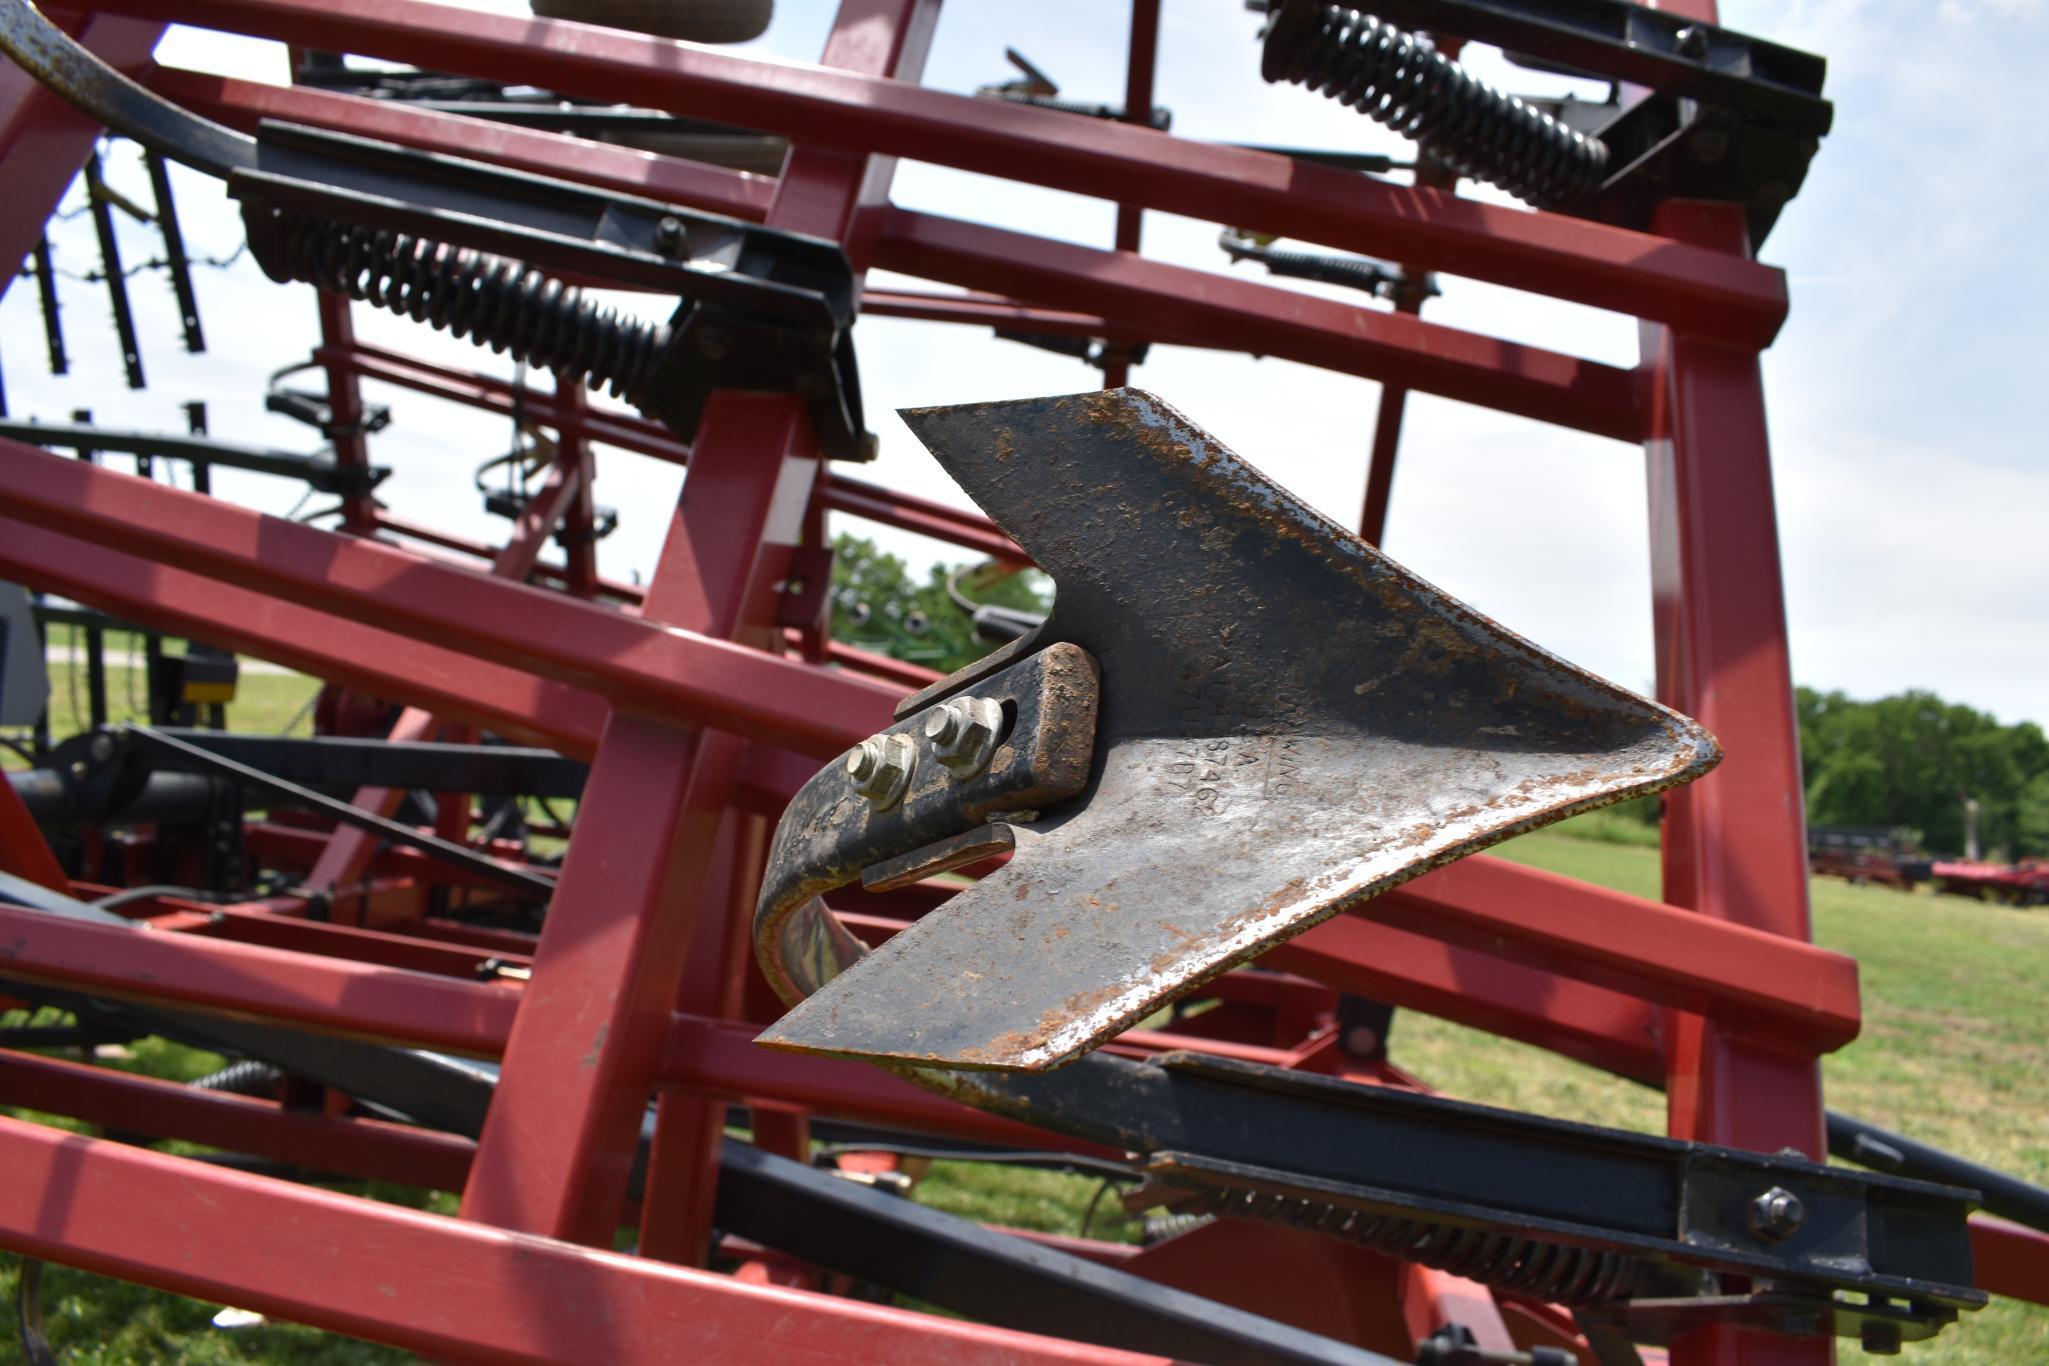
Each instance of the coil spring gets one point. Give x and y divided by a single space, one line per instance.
1549 1272
1399 80
1370 276
245 1078
495 302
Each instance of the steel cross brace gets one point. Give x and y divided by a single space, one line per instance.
444 1287
567 482
1605 267
637 663
1154 299
1819 988
584 1051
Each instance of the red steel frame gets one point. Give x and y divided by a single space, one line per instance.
699 723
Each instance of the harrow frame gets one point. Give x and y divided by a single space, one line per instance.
705 702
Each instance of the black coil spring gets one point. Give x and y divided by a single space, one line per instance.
503 304
245 1078
1356 273
1550 1272
1399 80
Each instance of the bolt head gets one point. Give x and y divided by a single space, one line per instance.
669 234
862 759
102 748
963 734
1776 1214
943 726
881 768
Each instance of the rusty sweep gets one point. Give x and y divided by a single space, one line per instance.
1288 723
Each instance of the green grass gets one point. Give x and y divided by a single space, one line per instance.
1953 1051
265 703
1040 1201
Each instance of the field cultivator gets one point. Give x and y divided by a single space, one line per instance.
559 892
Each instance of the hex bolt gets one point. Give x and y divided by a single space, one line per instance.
1879 1338
881 768
669 235
963 734
1776 1214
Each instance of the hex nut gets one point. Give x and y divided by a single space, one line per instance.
1776 1214
881 768
963 734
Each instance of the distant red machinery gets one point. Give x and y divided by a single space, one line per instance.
1865 855
2021 884
703 701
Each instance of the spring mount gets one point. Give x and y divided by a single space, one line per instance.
1551 1272
491 300
1398 79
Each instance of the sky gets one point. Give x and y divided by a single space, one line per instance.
1913 492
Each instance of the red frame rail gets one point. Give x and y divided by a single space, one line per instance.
700 722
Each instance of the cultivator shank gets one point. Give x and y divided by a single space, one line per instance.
1112 899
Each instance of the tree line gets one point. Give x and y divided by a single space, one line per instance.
1913 760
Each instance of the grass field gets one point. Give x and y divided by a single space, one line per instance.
1953 1051
265 702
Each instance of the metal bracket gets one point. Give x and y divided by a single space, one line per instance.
762 310
904 813
1498 1196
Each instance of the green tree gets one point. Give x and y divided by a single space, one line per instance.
1911 760
879 605
2031 818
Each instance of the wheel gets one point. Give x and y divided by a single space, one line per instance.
695 21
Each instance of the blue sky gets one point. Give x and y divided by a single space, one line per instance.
1913 493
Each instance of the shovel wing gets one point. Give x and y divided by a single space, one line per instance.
1289 723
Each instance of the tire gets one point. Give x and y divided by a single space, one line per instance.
694 21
